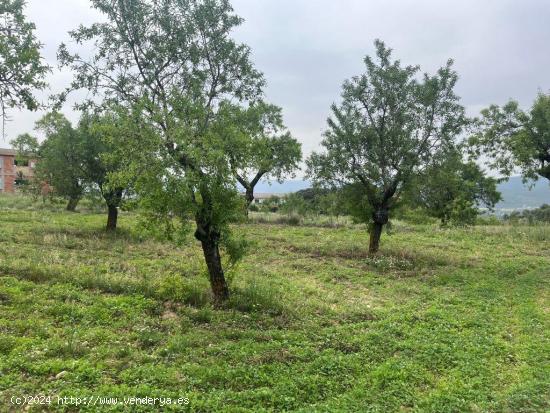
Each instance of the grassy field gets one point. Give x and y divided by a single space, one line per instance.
441 321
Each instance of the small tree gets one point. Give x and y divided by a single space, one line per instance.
295 204
26 146
515 139
453 190
175 62
21 67
79 160
332 204
61 158
259 146
389 126
100 133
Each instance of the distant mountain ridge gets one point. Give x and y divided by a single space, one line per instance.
516 195
286 187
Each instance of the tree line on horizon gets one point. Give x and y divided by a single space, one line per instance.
177 117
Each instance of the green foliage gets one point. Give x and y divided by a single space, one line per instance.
28 200
453 190
78 161
258 145
512 138
27 149
413 215
259 296
318 200
21 67
101 132
271 204
530 216
295 203
182 290
388 126
488 220
235 246
26 146
61 156
175 64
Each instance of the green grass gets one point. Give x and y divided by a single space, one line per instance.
452 320
297 220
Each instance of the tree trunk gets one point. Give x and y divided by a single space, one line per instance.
209 236
71 205
211 251
113 198
545 171
376 232
112 217
249 199
380 217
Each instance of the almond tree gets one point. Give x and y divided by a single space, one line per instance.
76 160
454 190
513 139
389 126
259 146
97 131
174 61
61 158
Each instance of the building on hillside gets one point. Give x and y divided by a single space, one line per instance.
260 198
14 171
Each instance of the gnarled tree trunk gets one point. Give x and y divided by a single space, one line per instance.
112 199
249 187
210 242
249 197
71 205
112 217
375 233
380 218
219 286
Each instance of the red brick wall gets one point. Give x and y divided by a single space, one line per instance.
7 172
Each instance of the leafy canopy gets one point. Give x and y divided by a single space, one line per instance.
389 126
258 144
78 160
512 138
21 67
26 145
175 63
453 190
61 160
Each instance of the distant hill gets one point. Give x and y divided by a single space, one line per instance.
515 194
284 188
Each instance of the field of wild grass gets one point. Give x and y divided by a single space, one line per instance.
443 320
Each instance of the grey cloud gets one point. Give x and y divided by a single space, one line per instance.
307 48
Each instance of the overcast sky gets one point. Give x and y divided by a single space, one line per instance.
307 48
